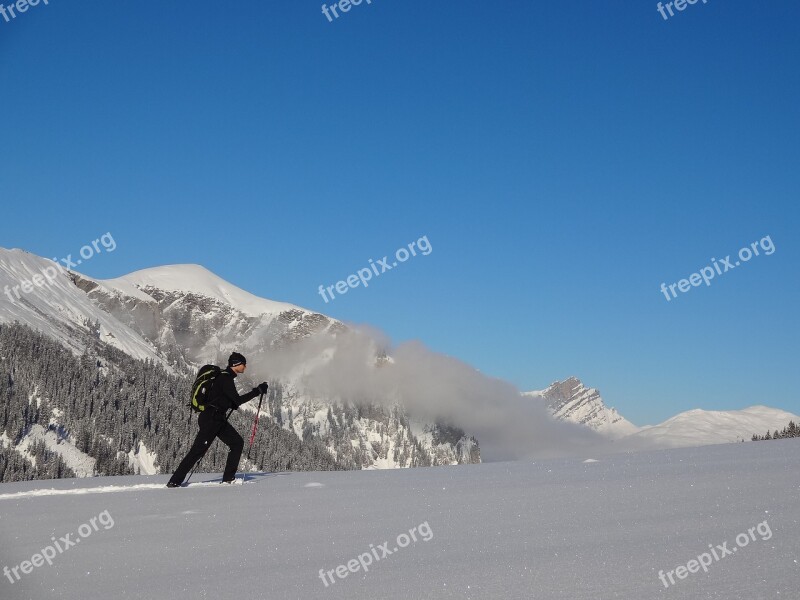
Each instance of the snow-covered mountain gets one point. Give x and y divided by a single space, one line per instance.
699 427
570 400
190 314
182 316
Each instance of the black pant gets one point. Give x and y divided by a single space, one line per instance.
212 424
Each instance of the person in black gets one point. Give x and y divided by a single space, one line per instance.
221 398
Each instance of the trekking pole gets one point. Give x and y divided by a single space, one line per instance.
228 416
253 435
255 425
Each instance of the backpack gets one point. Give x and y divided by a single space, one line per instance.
202 386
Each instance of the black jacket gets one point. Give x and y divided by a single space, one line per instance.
223 394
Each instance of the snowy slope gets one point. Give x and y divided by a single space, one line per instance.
59 309
558 529
80 463
698 427
142 460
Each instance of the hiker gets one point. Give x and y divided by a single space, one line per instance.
222 397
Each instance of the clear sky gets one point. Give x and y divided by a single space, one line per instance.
563 159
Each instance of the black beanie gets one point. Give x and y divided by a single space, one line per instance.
236 359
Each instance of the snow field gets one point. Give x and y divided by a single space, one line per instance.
550 529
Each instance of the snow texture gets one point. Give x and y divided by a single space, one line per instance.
81 464
545 530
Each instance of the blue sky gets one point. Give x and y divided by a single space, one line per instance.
563 158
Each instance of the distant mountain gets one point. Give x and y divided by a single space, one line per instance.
701 427
570 400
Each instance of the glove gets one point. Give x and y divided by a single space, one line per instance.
262 388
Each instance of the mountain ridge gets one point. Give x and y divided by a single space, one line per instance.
569 400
